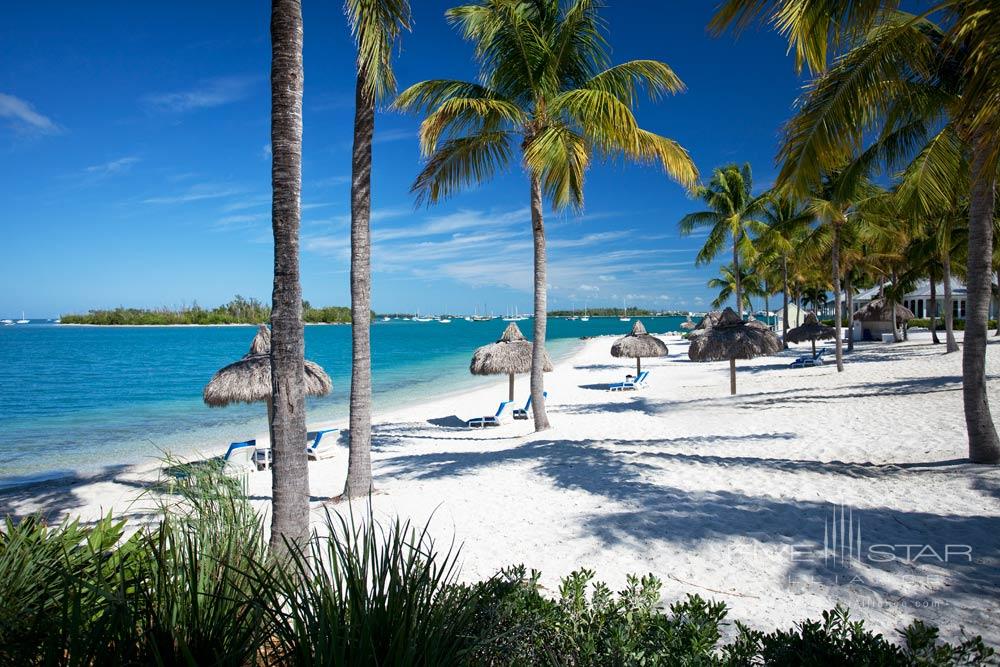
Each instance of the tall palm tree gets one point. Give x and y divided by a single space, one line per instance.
815 298
290 476
901 75
786 220
727 281
545 88
375 25
734 214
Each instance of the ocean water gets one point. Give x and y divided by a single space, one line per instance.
78 400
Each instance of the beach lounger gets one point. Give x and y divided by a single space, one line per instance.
522 413
809 360
490 420
321 444
240 461
630 385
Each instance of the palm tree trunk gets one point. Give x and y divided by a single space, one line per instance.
933 313
736 276
984 445
798 308
849 288
837 308
892 307
784 298
290 472
538 344
996 300
949 317
732 377
359 459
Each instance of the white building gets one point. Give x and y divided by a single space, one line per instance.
918 300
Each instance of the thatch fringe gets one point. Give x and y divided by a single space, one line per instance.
511 353
638 343
732 338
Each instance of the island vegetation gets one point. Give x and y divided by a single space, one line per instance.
238 311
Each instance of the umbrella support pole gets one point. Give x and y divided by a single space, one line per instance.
732 377
511 388
638 366
814 347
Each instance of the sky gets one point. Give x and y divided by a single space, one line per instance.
135 166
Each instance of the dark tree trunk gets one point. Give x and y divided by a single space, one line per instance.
837 308
736 272
290 472
850 312
784 298
933 313
359 461
996 301
892 307
951 345
984 445
541 316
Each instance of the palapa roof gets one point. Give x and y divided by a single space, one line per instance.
707 322
878 311
249 379
510 354
638 344
811 329
732 338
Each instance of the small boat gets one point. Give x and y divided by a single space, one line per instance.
386 319
7 322
624 317
22 320
586 316
444 320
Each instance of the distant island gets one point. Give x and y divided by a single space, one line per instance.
238 311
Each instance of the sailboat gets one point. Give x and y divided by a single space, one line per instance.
7 322
585 317
624 317
22 320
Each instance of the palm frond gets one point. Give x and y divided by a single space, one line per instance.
375 25
462 161
626 80
559 157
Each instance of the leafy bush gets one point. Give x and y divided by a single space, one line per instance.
197 587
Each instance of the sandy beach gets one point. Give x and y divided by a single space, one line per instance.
806 489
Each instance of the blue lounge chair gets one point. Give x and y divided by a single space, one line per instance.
630 385
522 413
491 420
319 445
809 359
240 458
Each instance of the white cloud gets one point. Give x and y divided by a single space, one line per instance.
207 94
22 116
589 288
195 193
113 167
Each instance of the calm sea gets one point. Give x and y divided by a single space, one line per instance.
75 400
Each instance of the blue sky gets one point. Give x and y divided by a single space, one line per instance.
134 164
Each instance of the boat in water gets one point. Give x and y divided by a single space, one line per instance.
22 320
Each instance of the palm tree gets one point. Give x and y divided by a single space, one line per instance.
815 298
375 25
733 214
545 88
786 220
901 77
290 476
727 281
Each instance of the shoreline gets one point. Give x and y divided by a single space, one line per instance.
68 478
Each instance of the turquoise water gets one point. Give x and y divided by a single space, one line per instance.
75 400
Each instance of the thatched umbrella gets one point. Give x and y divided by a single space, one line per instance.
707 322
249 379
878 311
731 338
638 344
511 354
810 330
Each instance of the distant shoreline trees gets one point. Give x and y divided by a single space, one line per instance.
238 311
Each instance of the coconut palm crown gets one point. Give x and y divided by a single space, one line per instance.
547 97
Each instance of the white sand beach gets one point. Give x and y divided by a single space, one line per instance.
727 497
